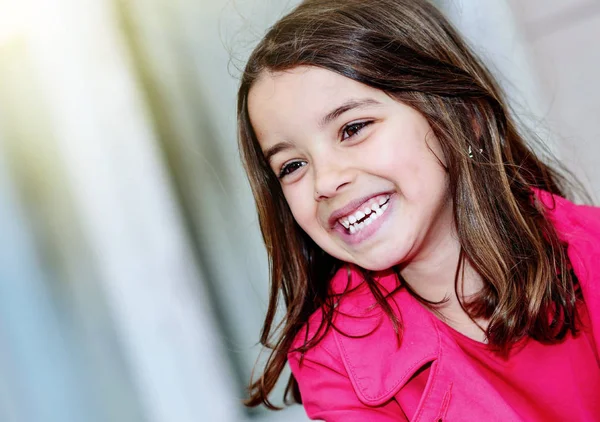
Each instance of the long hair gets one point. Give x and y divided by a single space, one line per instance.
409 50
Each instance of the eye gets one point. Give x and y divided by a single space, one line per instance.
291 167
353 129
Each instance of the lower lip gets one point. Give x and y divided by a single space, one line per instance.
367 231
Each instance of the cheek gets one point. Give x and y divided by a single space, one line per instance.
416 172
384 154
302 205
395 156
399 142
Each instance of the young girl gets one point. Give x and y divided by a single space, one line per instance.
429 265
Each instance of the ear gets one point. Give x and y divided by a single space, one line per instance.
476 119
477 126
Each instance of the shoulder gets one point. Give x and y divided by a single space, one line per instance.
571 220
578 226
327 359
350 297
336 377
322 378
317 325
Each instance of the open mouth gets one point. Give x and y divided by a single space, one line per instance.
366 215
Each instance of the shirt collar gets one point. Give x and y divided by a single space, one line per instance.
377 364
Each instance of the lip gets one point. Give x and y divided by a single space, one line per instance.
351 207
369 231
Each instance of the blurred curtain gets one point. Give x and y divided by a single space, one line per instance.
106 314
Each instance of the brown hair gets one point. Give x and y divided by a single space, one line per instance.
407 49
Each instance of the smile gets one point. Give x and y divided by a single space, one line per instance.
366 215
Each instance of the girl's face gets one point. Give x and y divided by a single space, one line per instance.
361 172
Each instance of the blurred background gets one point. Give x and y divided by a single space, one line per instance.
133 279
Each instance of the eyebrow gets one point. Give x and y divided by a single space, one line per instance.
276 149
347 106
328 118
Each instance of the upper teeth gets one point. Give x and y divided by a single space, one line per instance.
374 208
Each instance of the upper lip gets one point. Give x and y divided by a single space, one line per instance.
350 207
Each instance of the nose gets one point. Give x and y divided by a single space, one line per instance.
330 179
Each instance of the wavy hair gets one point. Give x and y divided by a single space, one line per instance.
409 50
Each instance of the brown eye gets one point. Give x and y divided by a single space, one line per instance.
291 167
353 129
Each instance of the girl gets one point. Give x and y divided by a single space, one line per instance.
429 265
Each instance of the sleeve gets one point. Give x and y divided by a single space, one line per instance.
328 395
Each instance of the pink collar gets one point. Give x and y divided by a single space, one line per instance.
377 367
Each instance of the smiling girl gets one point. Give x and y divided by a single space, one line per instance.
428 261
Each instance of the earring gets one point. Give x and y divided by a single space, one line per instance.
471 152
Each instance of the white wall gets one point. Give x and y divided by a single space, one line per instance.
562 42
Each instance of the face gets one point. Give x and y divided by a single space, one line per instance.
362 173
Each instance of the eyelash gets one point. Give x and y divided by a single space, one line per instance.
285 170
357 126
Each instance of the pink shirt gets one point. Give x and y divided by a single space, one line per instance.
540 382
359 372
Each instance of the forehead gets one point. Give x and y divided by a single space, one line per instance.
297 99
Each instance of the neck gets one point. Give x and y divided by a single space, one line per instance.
432 274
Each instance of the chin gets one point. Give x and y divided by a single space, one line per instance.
377 265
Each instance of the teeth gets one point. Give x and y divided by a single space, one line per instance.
373 212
